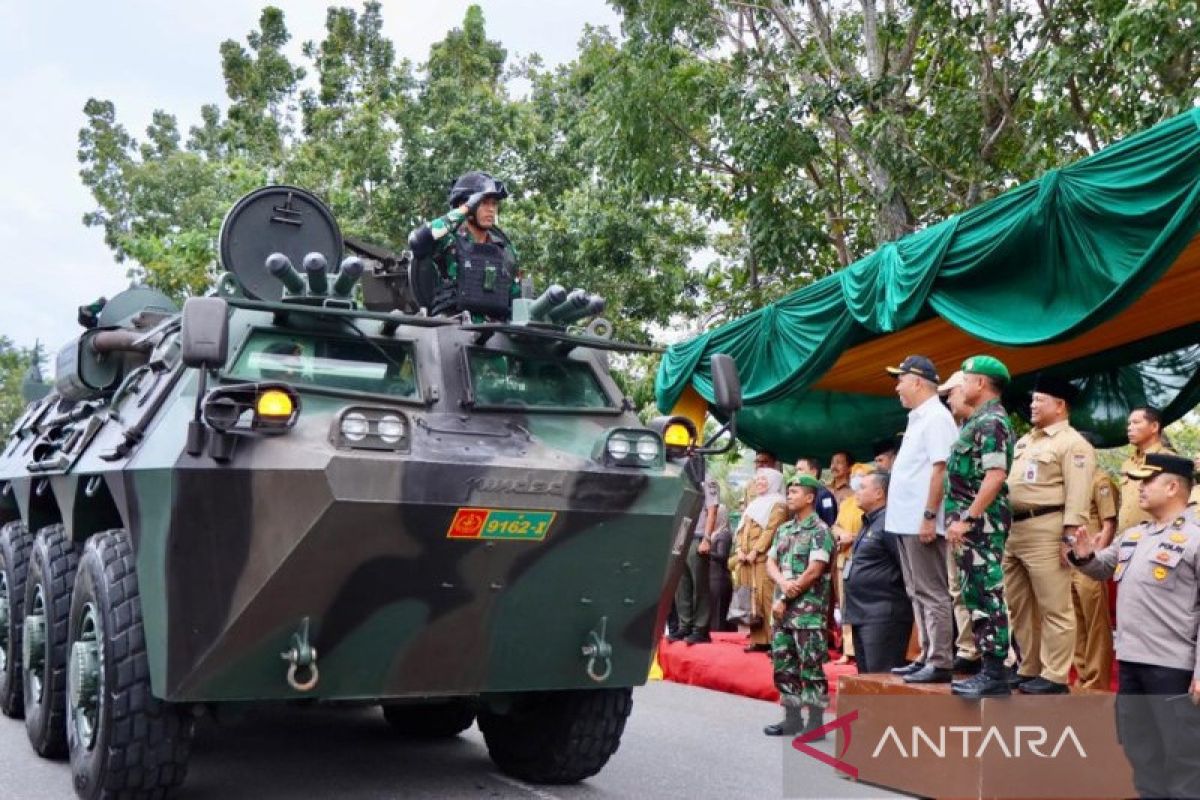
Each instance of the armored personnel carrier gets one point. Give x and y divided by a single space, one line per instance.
277 493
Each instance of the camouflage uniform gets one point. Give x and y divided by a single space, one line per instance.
985 442
446 230
798 645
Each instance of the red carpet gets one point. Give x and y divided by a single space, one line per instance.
724 666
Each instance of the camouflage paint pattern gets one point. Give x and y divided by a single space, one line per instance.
796 657
232 556
985 442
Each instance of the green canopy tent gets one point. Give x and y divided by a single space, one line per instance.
1091 272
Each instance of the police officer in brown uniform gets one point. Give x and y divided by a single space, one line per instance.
1049 486
1093 624
1157 564
1144 430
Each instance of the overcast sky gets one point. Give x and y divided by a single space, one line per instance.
143 55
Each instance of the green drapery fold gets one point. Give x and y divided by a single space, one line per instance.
1044 262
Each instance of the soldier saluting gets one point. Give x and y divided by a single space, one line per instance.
1157 565
476 262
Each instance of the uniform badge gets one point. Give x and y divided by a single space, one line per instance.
1178 523
1163 557
1133 537
1161 573
1177 538
1079 460
1031 472
1104 491
1120 569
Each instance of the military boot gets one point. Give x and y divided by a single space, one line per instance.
790 726
992 681
816 718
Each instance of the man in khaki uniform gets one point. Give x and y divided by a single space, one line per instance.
1093 625
1050 486
1144 430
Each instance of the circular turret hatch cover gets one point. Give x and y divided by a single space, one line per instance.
276 219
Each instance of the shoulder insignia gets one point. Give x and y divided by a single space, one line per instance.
1079 460
1161 573
1104 490
1134 536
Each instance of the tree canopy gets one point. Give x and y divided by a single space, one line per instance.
705 159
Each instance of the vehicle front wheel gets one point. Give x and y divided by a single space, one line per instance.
123 742
15 542
52 563
430 720
557 737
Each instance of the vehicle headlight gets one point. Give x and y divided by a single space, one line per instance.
647 448
618 447
355 427
390 428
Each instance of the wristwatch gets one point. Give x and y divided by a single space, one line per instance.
930 515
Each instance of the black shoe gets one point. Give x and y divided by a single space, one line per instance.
790 725
757 648
929 674
1043 686
679 634
909 669
1016 680
698 636
966 666
992 681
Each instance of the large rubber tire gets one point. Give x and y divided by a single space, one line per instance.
430 720
557 737
139 745
52 563
15 542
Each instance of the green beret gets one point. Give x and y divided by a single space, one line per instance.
986 365
805 480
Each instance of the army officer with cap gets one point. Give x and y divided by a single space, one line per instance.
1157 565
1049 486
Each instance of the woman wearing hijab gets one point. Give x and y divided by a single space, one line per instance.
753 539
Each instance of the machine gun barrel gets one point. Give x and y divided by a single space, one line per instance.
316 267
120 341
348 275
281 267
547 300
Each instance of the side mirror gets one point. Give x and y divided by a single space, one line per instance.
204 339
727 387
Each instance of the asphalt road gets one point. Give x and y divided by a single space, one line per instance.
680 742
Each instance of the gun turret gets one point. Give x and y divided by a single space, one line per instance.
316 267
280 266
348 275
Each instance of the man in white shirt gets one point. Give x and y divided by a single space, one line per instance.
914 513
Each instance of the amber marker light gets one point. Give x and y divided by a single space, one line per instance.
274 405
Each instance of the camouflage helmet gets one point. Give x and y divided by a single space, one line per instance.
473 182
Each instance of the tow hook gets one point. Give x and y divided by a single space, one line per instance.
302 673
598 650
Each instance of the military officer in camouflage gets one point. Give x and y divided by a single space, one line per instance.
798 564
979 517
476 263
1157 565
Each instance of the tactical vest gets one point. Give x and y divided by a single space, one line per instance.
486 272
